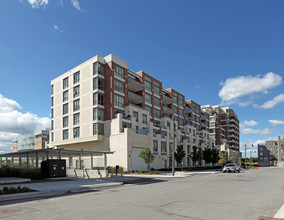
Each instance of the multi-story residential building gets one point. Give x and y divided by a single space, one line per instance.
101 105
31 141
223 125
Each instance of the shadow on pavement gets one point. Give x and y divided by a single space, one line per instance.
135 180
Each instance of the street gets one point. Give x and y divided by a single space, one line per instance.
246 195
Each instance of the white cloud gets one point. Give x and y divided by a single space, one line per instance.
273 102
75 4
14 123
56 28
276 122
250 131
250 123
235 88
38 3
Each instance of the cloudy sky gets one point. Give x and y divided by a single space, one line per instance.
214 52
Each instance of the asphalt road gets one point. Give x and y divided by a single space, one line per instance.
246 195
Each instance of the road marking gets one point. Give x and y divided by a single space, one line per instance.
280 213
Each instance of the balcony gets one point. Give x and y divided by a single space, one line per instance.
203 124
167 100
204 117
142 131
188 119
134 98
134 86
167 110
188 109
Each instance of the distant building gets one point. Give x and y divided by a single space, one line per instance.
30 141
265 157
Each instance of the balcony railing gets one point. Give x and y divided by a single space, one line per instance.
167 110
133 85
143 132
167 100
188 109
134 98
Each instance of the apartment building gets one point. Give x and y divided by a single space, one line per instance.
101 105
223 126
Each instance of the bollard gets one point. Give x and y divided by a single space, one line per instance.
121 171
256 168
253 168
111 171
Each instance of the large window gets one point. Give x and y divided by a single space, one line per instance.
135 115
51 101
149 109
98 99
76 119
144 119
157 113
180 113
52 89
175 109
157 88
180 101
65 109
155 146
98 83
148 86
65 83
76 105
119 101
98 114
76 91
65 96
65 134
119 71
98 68
175 98
51 125
163 147
98 129
119 86
76 77
157 102
51 114
148 99
76 132
65 122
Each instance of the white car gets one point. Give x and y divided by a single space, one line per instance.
231 167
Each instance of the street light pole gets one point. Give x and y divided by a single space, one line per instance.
173 153
245 156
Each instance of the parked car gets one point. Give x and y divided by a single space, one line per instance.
231 167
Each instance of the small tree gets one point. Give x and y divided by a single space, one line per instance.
222 159
233 159
147 156
180 154
194 155
199 154
240 160
214 156
206 155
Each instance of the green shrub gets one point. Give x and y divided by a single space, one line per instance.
150 173
31 173
142 171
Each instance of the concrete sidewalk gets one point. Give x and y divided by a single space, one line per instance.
58 188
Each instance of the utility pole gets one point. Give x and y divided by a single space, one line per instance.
279 151
245 156
173 153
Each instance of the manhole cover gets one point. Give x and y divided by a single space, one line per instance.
9 211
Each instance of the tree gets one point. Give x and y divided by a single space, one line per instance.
240 160
199 154
147 156
233 159
180 154
206 155
194 155
222 159
214 156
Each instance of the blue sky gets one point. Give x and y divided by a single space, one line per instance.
214 52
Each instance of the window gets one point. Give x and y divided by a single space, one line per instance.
180 113
119 101
155 146
65 134
65 121
51 114
119 71
163 147
76 77
65 109
135 115
119 86
144 119
98 114
98 129
65 96
98 68
157 88
148 86
157 102
148 99
52 136
51 125
98 99
157 113
70 162
98 83
180 101
171 148
76 119
149 109
76 132
181 122
52 89
65 83
76 105
51 101
175 98
76 91
175 110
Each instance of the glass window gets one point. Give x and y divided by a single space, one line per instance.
135 115
98 99
98 83
65 121
118 71
157 113
76 105
65 83
175 98
65 134
157 88
76 132
157 102
148 99
98 68
163 147
52 89
65 96
98 114
76 77
180 101
148 86
51 113
175 109
144 119
98 129
180 113
65 109
51 125
155 146
119 100
51 101
149 109
76 91
181 122
119 86
76 119
52 138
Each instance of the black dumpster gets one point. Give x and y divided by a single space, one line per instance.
53 168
